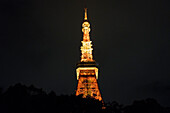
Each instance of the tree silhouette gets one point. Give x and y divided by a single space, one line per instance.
114 107
22 99
145 106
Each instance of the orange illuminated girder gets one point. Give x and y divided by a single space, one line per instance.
87 85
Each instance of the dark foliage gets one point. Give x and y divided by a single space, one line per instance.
22 99
146 106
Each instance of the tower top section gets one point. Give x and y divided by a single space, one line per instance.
86 48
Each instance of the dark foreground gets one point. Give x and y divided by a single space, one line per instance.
22 99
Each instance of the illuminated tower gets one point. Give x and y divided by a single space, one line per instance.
87 69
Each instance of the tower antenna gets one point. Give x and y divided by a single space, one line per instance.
85 9
85 13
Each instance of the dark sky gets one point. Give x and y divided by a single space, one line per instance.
41 39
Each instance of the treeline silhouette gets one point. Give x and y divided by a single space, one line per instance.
29 99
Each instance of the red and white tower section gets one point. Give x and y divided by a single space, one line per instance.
87 69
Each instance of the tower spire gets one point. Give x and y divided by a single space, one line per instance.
85 13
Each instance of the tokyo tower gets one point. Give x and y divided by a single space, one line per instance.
87 69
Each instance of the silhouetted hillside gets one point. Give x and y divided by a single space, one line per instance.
22 99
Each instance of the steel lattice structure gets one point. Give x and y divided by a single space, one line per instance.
87 69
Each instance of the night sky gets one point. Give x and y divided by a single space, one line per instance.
40 44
